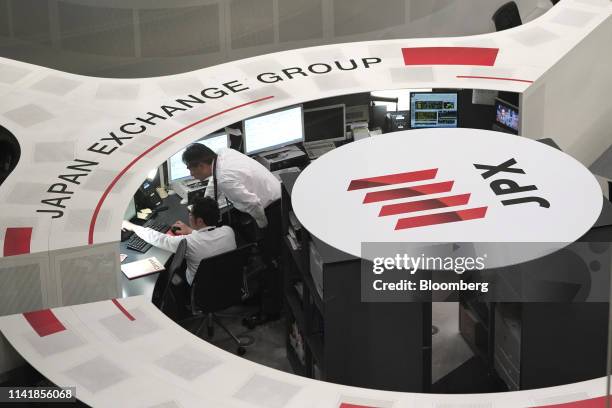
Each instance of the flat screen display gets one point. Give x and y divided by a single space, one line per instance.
433 110
325 123
271 130
130 211
177 169
506 115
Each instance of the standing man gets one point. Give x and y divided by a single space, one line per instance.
252 189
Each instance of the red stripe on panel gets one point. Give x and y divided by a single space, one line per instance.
422 205
599 402
450 56
94 217
441 218
17 241
404 192
346 405
392 179
123 310
494 78
44 322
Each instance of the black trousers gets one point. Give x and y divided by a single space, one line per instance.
272 233
271 279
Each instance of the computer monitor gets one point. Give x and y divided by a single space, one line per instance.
506 116
397 121
401 95
271 130
130 211
177 169
433 110
324 123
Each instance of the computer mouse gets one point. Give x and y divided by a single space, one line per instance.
175 229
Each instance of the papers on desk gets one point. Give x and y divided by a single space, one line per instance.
143 214
142 267
360 130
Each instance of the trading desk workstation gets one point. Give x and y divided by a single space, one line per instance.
284 141
163 212
83 325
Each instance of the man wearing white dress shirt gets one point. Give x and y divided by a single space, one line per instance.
252 189
248 185
204 239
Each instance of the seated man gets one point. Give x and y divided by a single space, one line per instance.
204 239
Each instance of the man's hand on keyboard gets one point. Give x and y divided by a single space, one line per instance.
126 225
180 228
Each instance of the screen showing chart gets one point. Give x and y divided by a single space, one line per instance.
431 109
276 129
177 169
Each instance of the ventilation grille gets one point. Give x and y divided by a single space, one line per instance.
20 289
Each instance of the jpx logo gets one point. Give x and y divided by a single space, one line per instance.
448 185
504 186
423 189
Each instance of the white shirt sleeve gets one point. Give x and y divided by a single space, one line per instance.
243 200
157 239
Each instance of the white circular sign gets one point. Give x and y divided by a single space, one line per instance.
446 185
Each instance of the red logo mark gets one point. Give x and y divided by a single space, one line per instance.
450 56
17 241
420 190
44 322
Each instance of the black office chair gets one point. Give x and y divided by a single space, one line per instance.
163 296
507 16
218 284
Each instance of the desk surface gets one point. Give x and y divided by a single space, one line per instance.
176 211
144 285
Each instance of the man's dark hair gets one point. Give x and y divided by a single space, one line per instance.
198 153
206 208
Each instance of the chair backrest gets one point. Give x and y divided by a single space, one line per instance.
218 282
507 16
163 297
